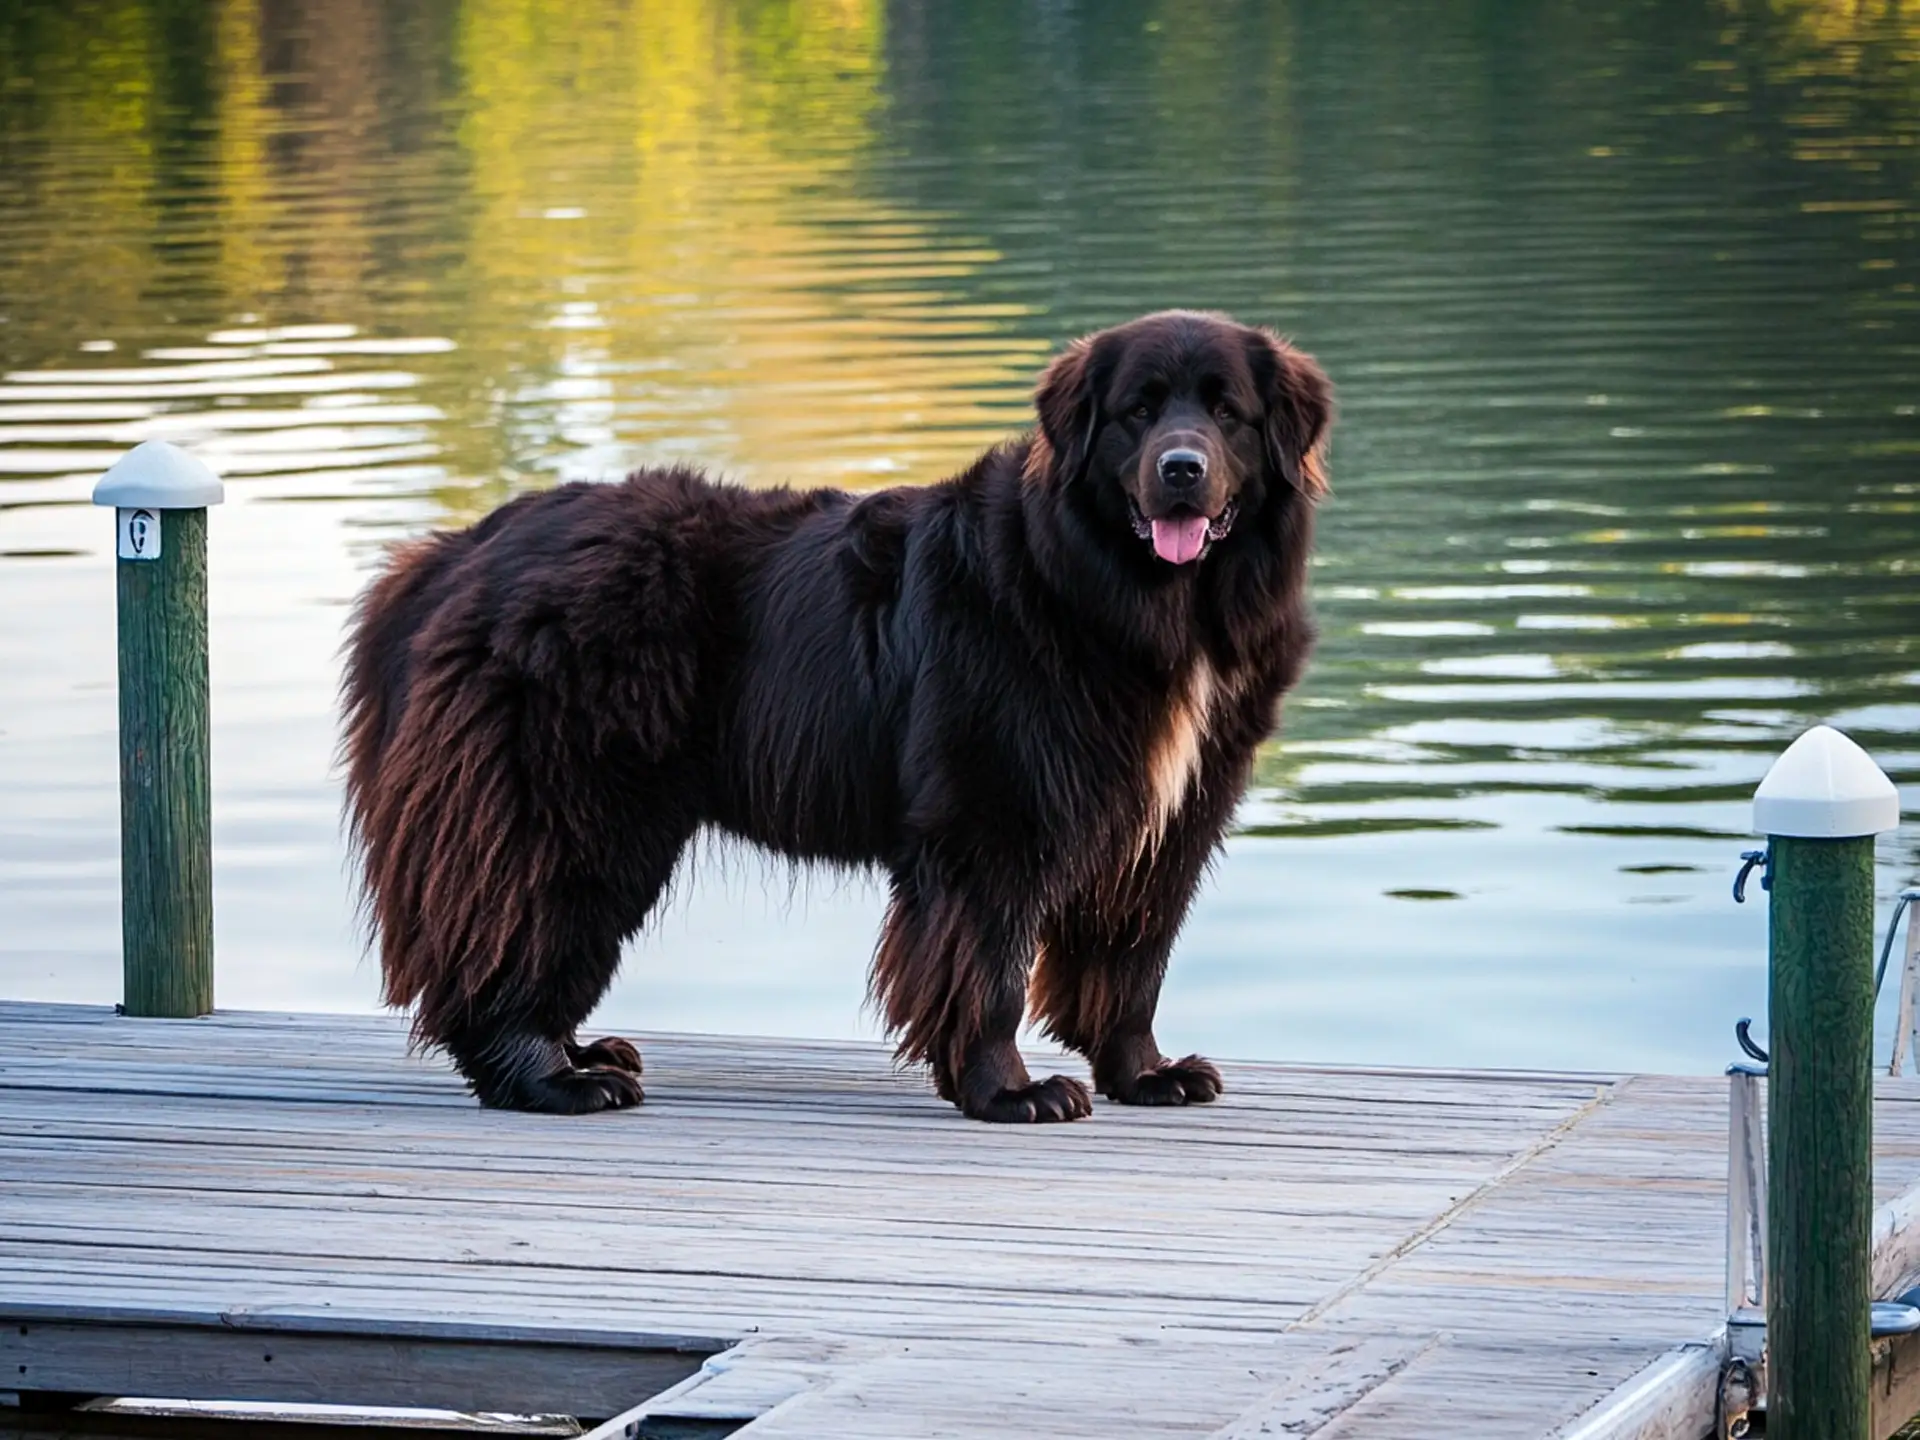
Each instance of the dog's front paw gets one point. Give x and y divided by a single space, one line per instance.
1055 1098
1192 1081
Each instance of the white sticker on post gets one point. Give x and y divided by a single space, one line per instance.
139 534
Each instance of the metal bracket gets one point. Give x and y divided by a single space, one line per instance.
1743 1383
1742 1388
1746 1204
1903 1019
1749 859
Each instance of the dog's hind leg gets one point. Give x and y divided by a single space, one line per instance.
952 981
534 796
609 1050
511 1068
516 1041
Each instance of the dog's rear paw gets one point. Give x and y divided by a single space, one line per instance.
580 1091
1192 1081
1056 1098
610 1051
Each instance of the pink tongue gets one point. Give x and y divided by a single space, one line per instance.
1179 540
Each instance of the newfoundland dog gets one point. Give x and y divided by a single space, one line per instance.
1031 694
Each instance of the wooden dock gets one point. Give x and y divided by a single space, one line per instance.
794 1237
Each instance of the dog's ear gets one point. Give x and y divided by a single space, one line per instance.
1299 400
1068 402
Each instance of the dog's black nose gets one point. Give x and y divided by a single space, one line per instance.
1183 467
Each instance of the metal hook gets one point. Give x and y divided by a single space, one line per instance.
1747 1042
1907 897
1751 859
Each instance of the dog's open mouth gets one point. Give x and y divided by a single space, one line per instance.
1180 539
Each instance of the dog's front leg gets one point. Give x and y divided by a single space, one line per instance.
1097 990
951 977
1104 956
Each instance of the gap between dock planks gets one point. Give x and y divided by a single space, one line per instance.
1355 1253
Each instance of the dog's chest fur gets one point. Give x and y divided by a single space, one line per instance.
1176 747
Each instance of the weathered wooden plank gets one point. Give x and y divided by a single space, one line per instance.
1318 1393
983 1390
747 1381
127 1286
416 1323
194 1362
1674 1398
387 1033
990 1389
370 1242
1510 1390
1440 1145
1352 1211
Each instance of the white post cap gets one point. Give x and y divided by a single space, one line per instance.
1825 787
158 476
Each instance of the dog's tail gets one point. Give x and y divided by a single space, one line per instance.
375 685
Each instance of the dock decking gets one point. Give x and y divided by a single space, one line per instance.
793 1234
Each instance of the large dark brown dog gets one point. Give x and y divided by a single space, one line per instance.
1031 693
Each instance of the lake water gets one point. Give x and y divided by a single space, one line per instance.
1620 299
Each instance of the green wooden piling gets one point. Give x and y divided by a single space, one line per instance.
1820 807
160 495
166 825
1820 1115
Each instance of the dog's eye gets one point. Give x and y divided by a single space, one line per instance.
1223 412
1142 411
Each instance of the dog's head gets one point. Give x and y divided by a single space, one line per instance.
1183 425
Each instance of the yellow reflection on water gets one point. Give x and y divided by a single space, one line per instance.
641 226
678 185
90 259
